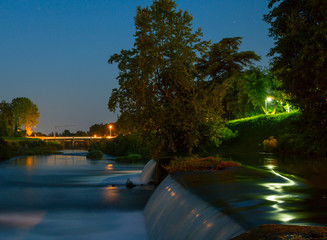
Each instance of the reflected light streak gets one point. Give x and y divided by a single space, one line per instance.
110 167
280 198
21 220
29 162
110 193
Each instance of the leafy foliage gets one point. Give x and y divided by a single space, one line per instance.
101 129
21 112
94 154
126 145
299 28
170 85
25 112
157 94
248 92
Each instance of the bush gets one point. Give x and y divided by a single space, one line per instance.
95 155
131 158
270 144
126 145
4 150
24 146
199 164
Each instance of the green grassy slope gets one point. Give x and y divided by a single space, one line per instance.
253 131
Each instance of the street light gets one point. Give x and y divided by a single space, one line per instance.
268 99
110 127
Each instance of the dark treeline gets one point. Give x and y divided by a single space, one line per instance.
107 129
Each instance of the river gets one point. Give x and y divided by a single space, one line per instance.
64 197
61 197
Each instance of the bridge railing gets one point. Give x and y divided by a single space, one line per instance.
73 138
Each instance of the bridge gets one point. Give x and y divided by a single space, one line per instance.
73 138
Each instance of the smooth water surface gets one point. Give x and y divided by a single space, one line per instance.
223 204
63 197
266 189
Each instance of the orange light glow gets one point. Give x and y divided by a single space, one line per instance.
95 136
29 161
111 194
110 167
28 130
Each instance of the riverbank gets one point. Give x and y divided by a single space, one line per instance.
280 133
11 147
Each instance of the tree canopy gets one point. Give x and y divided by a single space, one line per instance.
170 85
299 28
25 113
157 94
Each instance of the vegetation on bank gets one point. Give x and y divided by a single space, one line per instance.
128 148
94 154
11 147
198 164
280 133
177 90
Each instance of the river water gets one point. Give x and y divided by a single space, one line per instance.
223 204
65 197
62 197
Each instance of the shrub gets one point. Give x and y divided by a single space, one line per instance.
4 150
270 144
199 164
131 158
94 155
126 145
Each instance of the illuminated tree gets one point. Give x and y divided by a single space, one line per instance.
25 113
219 71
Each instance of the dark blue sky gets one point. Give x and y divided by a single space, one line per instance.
55 52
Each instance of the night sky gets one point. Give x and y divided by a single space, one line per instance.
55 52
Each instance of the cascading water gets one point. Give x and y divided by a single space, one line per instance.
145 177
223 204
173 212
148 172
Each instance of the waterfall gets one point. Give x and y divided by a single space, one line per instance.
148 172
145 177
173 212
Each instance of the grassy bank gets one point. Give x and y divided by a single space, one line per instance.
11 147
272 133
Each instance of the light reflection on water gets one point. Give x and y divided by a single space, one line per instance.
59 161
281 195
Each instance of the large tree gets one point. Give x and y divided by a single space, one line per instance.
157 94
299 28
219 71
25 113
